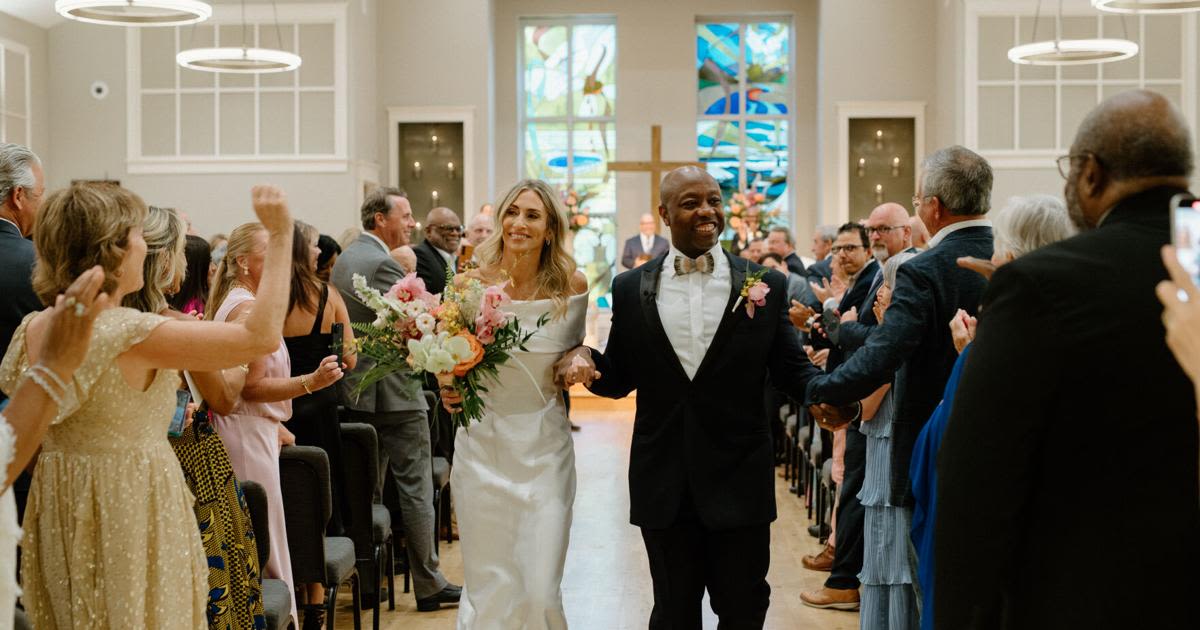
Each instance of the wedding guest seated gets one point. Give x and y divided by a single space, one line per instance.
330 249
35 403
1069 360
138 560
1021 226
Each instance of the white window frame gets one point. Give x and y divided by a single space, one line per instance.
258 14
1016 9
464 115
5 46
850 110
742 118
571 119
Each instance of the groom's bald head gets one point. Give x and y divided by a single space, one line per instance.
692 207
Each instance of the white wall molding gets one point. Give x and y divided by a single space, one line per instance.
452 114
849 110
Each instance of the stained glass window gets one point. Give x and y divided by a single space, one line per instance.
743 107
568 129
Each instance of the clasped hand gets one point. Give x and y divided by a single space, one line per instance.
575 367
832 418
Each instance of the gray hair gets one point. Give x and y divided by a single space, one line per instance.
379 200
959 178
827 233
787 234
892 266
1027 223
16 169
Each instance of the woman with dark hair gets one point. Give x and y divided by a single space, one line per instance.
312 311
330 250
193 293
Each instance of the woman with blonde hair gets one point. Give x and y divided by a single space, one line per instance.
253 429
111 540
514 471
223 518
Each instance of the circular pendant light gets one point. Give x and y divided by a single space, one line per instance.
1147 6
135 12
1070 52
238 60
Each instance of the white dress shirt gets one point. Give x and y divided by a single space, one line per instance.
447 256
691 307
954 227
647 243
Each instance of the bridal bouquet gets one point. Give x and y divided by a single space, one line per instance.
462 336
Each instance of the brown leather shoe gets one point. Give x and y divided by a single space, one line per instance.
820 562
835 598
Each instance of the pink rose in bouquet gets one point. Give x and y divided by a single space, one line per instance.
411 288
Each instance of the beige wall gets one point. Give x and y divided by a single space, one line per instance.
435 54
34 38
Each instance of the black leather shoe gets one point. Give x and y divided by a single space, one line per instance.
819 530
449 595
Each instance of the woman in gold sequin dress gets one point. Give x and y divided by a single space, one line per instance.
111 540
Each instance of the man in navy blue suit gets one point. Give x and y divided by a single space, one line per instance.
21 189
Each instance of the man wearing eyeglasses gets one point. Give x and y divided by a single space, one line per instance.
443 233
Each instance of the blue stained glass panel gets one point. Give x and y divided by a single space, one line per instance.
718 54
768 59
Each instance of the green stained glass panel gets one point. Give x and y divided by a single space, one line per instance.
718 55
593 73
546 70
767 163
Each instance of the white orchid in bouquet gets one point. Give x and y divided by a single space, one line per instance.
462 336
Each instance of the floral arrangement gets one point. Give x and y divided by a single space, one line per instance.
577 213
461 336
747 204
754 292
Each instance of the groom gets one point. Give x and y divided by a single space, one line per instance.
701 470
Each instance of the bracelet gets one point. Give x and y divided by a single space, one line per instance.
62 385
36 376
304 383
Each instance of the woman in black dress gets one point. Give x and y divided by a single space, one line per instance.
312 311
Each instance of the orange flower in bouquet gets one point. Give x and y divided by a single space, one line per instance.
466 365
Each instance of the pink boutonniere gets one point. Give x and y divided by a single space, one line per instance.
754 292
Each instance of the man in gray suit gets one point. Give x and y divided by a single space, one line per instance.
395 406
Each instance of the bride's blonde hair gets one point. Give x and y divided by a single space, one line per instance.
556 267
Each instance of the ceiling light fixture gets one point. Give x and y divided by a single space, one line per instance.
135 12
244 59
1147 6
1070 52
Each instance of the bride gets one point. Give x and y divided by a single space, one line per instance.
514 471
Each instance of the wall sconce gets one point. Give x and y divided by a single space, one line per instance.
417 170
434 197
450 169
862 167
895 167
433 141
878 138
878 193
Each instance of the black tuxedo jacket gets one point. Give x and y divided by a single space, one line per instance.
431 267
1037 477
633 249
707 438
913 344
17 298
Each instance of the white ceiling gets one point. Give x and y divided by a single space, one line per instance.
40 12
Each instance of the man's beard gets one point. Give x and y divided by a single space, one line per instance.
1074 210
880 252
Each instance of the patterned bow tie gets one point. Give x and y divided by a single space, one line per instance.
685 265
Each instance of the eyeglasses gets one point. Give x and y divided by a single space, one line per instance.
448 229
1064 162
837 249
917 200
883 229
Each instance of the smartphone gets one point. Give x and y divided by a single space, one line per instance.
1185 235
338 332
182 398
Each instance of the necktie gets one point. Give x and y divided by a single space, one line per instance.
685 265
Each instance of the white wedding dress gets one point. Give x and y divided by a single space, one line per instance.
514 484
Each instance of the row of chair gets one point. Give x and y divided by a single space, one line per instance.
808 472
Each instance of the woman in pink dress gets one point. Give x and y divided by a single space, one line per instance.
253 431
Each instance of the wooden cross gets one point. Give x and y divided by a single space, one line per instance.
655 167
